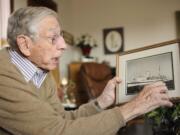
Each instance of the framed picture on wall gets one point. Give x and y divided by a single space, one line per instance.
45 3
113 40
68 37
143 66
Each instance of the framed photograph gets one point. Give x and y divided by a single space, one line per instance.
113 40
45 3
142 66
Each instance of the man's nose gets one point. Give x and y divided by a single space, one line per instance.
61 44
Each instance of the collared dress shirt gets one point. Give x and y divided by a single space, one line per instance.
28 69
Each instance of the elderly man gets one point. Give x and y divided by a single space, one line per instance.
28 100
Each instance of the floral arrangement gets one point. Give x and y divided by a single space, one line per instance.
166 120
86 43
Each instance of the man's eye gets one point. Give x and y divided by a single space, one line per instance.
53 40
62 33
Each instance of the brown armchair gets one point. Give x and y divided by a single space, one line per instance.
93 78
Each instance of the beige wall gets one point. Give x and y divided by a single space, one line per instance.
144 21
19 3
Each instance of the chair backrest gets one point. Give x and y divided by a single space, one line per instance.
94 77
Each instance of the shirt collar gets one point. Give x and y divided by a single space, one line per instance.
27 68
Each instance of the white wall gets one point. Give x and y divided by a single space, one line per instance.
19 4
145 22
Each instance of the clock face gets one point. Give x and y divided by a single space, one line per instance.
113 41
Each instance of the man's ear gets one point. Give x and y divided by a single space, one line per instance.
24 43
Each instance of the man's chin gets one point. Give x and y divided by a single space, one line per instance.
50 67
53 67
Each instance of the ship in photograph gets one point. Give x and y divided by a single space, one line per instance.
137 86
141 73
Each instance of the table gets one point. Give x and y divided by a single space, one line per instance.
139 128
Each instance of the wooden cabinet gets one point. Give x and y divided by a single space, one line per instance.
56 75
74 71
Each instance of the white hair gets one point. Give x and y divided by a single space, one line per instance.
25 21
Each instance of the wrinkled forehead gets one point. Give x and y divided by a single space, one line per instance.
49 25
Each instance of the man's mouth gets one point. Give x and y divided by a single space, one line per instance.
56 60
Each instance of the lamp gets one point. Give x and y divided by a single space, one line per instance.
64 83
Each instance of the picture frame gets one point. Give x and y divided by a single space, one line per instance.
68 37
45 3
142 66
113 40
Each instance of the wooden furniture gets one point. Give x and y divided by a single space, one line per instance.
137 128
56 75
90 79
94 77
74 69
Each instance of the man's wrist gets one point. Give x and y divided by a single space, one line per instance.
96 105
100 103
129 111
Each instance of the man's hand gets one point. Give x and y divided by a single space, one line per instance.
107 97
150 98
